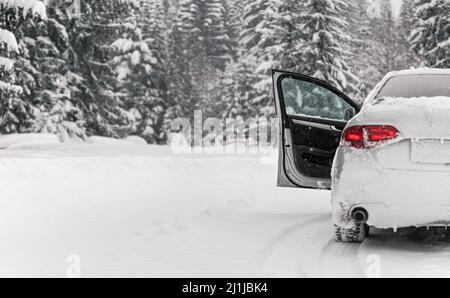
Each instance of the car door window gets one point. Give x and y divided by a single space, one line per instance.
313 115
307 99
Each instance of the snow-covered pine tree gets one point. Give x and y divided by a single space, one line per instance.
186 64
15 112
286 21
307 37
327 43
91 35
358 17
406 24
140 64
259 49
271 38
198 52
216 32
430 38
407 17
203 22
237 91
234 23
235 86
386 48
47 83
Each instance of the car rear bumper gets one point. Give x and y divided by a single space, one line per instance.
392 198
406 215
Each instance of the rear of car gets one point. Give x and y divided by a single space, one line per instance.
393 163
387 162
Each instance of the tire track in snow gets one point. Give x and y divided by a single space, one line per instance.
281 257
309 250
341 260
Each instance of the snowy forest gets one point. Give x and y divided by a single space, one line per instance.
117 68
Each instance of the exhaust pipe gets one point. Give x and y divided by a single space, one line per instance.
360 215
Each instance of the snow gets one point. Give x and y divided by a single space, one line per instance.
420 71
33 6
7 141
396 7
136 140
123 45
128 210
6 63
135 58
422 117
4 86
105 141
9 39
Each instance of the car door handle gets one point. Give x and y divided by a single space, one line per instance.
335 129
311 124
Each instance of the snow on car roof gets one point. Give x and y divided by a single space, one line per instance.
406 72
420 71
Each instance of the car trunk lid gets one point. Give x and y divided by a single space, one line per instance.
415 118
424 126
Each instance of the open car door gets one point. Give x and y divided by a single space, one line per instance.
313 115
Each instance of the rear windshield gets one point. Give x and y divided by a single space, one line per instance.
417 86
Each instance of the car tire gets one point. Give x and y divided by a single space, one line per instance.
357 234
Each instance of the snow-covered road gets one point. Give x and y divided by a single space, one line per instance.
126 210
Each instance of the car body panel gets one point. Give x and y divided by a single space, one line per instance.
394 198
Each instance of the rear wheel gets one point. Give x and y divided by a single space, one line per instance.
356 234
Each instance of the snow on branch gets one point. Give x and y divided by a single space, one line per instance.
132 2
123 45
8 87
6 63
9 39
29 6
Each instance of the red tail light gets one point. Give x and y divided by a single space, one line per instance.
380 133
368 136
354 136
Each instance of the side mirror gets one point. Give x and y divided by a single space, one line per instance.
349 114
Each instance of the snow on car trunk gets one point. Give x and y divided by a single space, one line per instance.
423 117
423 123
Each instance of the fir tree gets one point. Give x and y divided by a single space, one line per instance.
15 112
233 18
91 37
204 24
359 19
186 64
407 20
200 50
386 47
46 81
140 64
430 38
258 55
327 43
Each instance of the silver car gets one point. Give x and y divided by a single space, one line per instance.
386 161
